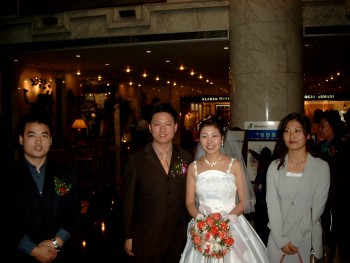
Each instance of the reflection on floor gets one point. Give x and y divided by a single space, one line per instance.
100 236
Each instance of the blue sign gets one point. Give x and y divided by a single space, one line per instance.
265 135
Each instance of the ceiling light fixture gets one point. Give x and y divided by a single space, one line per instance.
127 69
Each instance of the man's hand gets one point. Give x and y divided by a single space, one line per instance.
44 253
128 247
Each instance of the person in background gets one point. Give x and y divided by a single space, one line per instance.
336 152
346 116
218 183
296 182
260 218
154 182
45 211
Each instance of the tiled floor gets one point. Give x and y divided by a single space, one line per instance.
100 236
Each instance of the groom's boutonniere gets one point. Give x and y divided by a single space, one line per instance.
332 151
61 187
180 168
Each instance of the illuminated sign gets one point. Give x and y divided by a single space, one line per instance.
220 98
326 97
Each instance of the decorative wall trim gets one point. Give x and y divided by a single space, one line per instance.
60 44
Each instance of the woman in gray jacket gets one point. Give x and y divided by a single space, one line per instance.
296 182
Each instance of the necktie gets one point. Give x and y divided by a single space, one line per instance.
164 162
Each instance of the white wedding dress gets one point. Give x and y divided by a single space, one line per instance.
216 190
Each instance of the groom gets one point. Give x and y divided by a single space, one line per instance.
154 184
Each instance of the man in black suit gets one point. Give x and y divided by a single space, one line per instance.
154 189
46 209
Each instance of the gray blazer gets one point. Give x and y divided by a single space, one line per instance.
289 199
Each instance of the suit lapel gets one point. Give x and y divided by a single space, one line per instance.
152 157
48 182
28 182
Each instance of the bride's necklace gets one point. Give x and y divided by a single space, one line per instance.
213 163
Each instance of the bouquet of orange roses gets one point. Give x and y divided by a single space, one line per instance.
211 235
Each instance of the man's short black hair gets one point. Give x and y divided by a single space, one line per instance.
165 107
35 116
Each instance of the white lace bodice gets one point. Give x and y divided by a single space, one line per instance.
216 189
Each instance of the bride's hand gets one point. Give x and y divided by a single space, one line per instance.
231 217
199 216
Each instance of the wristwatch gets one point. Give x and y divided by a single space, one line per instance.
56 245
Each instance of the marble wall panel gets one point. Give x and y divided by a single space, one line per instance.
266 47
295 95
272 91
330 13
294 45
238 102
238 49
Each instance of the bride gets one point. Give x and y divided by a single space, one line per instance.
217 183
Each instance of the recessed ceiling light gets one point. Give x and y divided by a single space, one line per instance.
148 51
77 56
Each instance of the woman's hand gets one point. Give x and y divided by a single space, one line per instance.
289 249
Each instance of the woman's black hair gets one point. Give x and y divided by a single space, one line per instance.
281 149
334 120
218 122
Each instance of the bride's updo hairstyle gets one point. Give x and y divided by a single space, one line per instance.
215 121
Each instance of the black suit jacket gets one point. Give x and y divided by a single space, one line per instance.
154 208
41 216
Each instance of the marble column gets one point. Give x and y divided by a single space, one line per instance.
265 60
